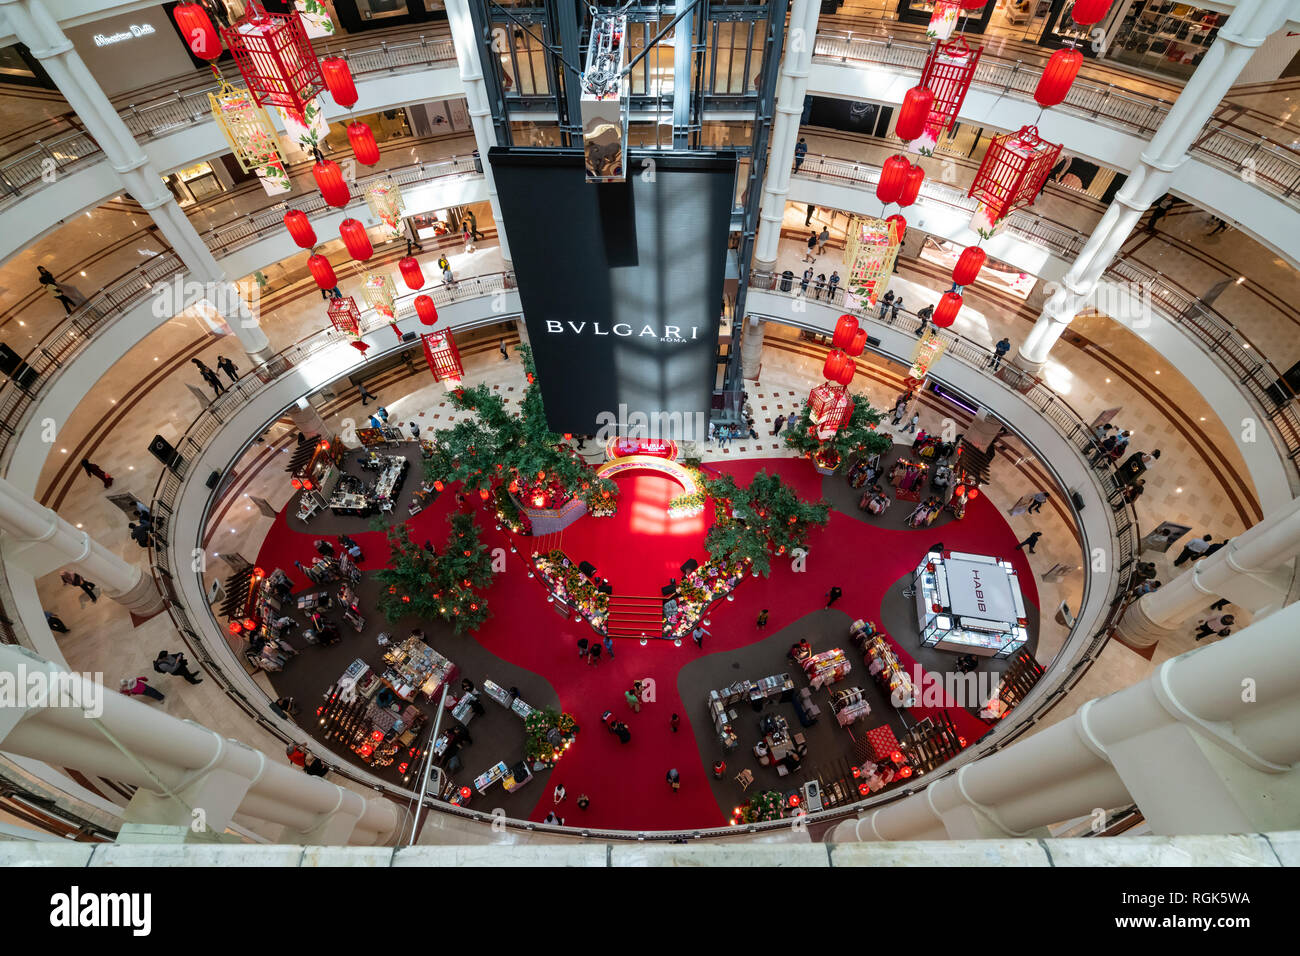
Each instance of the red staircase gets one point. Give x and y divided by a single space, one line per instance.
633 616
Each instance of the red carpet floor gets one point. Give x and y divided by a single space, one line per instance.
626 782
640 547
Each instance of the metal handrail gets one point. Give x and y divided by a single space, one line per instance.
1055 409
42 163
1257 376
1272 166
75 332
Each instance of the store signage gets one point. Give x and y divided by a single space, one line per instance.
666 333
980 590
134 31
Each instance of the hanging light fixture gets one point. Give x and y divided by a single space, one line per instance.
363 143
945 313
338 80
353 234
1012 173
246 127
329 180
275 58
426 310
912 185
1058 75
893 175
857 345
322 272
914 113
300 230
845 329
197 29
1088 12
833 367
968 266
411 274
899 223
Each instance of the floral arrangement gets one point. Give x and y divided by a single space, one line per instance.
759 808
566 582
700 588
687 505
548 734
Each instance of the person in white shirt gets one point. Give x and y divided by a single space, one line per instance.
1193 549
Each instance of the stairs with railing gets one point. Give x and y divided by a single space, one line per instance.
632 615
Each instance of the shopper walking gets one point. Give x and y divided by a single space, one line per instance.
1193 549
924 315
176 665
73 579
1030 541
675 720
800 151
365 394
1214 624
593 656
139 687
999 352
810 256
697 635
210 377
558 794
505 353
584 801
52 287
582 648
473 224
674 779
762 619
833 595
94 471
812 210
609 646
776 425
1159 211
633 701
1040 499
912 423
415 430
823 237
229 367
55 623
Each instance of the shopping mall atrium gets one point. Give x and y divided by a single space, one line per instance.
535 431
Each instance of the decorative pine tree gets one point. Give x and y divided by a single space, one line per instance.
857 437
765 518
431 585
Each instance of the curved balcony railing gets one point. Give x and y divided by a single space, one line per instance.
1272 166
38 165
75 332
1063 675
1258 378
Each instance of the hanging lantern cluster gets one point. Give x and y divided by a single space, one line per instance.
197 29
945 313
912 185
426 310
444 358
300 230
329 180
968 266
409 267
384 198
947 75
275 58
354 236
1013 171
870 248
893 177
246 127
1058 76
338 80
900 224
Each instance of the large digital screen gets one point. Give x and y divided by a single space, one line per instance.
621 285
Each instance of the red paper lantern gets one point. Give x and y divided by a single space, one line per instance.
900 222
197 29
354 237
360 346
972 4
1088 12
893 176
363 143
845 329
338 78
329 180
1058 75
945 313
300 229
847 372
856 346
912 185
411 273
833 368
483 493
275 58
322 272
438 486
968 266
1013 171
972 494
426 310
914 113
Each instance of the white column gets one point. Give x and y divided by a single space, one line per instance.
1254 571
39 541
1206 744
471 74
791 89
179 766
751 348
32 23
1249 25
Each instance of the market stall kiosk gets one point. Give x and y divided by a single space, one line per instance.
970 604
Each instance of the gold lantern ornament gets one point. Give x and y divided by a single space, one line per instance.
380 293
247 128
385 201
870 249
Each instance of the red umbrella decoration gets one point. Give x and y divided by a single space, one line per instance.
1057 77
945 313
322 272
968 266
300 230
338 79
426 310
893 176
275 58
354 237
329 180
912 185
409 267
196 27
914 113
363 143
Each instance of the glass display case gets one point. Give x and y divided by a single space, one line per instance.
969 604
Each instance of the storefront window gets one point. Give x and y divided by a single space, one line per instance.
735 56
522 54
195 184
1168 38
